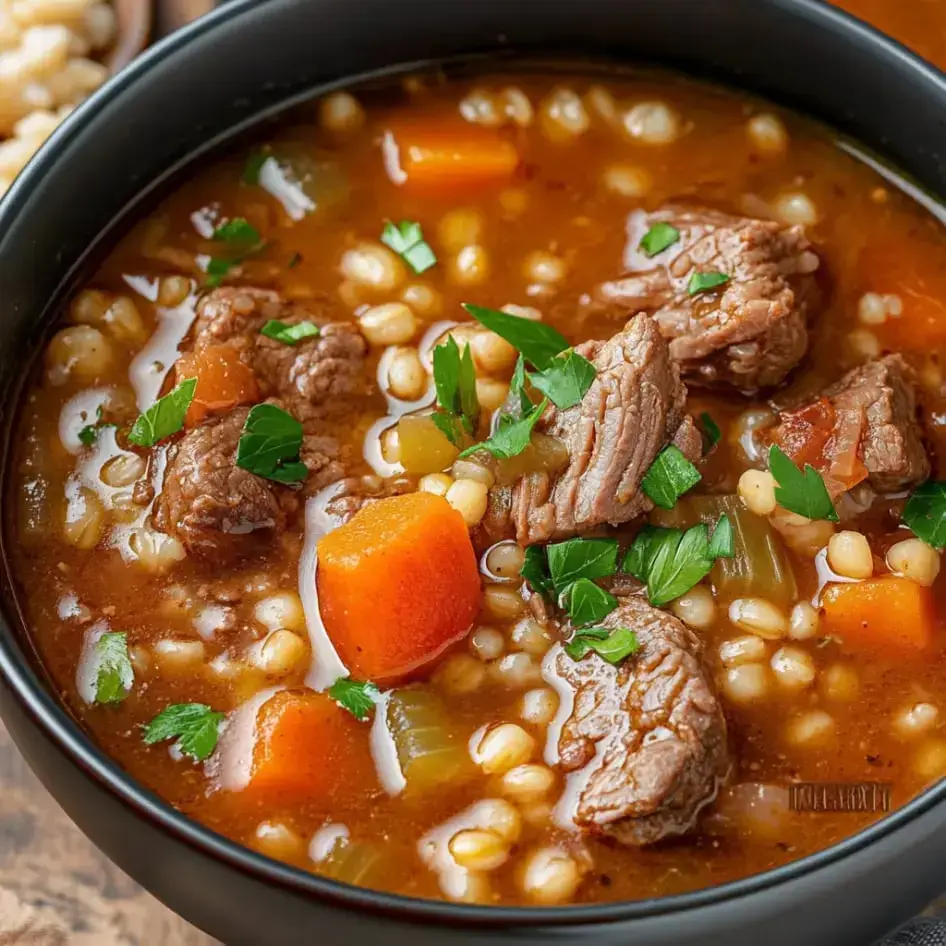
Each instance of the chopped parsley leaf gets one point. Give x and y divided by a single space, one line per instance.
269 445
194 726
289 334
925 513
165 417
612 645
800 492
407 240
357 697
702 282
659 237
669 477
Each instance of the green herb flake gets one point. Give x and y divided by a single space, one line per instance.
114 674
925 513
669 477
800 492
511 436
289 334
253 167
537 342
535 570
587 603
88 435
566 380
294 261
357 697
659 237
165 417
449 426
238 231
194 726
612 645
455 383
517 386
407 240
703 282
672 561
581 558
269 445
710 431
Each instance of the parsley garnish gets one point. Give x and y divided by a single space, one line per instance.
356 697
710 431
566 379
801 493
455 381
670 561
88 434
294 261
658 238
701 282
539 343
925 513
581 558
240 234
517 386
114 674
511 436
669 477
407 240
588 603
196 728
289 334
613 645
535 570
164 417
270 444
449 426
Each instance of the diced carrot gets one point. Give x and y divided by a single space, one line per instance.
223 381
803 432
448 157
309 748
397 585
882 614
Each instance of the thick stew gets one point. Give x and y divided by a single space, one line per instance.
505 489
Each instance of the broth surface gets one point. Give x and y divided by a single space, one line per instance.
195 628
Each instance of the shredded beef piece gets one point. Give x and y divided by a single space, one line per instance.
748 333
315 378
649 734
633 409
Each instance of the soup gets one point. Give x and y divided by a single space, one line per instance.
505 489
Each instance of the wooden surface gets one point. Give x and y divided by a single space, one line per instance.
56 889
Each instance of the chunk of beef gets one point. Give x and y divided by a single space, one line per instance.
633 409
865 427
748 333
315 378
646 739
220 511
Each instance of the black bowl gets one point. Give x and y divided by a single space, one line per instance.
248 59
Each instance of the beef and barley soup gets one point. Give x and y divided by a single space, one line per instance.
504 489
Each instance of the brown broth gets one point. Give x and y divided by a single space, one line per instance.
870 237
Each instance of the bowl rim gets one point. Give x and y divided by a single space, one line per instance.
66 734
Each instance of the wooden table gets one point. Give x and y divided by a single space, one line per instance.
56 889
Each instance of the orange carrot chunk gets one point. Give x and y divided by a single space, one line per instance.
397 585
309 748
223 381
449 157
889 614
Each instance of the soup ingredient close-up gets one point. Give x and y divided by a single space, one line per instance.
519 479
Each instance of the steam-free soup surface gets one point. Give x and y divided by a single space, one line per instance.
284 601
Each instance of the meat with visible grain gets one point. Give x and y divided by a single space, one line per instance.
220 511
646 739
315 378
865 427
748 333
635 407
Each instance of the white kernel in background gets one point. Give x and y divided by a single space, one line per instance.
341 113
793 668
503 747
539 706
756 489
914 559
768 133
917 719
653 123
625 180
281 610
796 208
562 116
864 343
816 727
487 643
758 616
839 683
741 650
746 683
696 607
550 876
